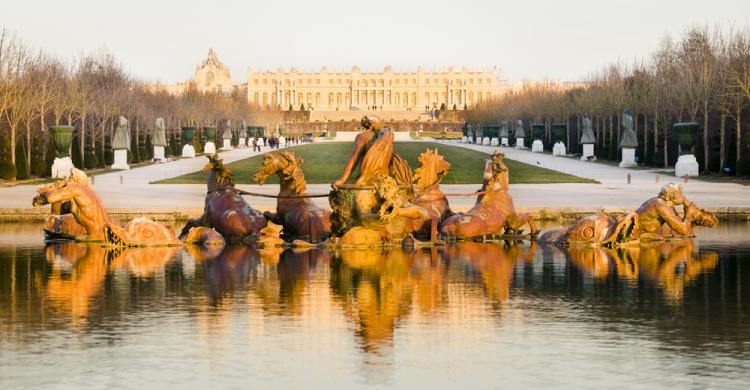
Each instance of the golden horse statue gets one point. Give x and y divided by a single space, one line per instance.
86 208
427 188
300 217
493 212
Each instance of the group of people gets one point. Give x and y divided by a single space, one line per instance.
274 142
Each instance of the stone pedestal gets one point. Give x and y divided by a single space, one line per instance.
210 148
494 142
121 159
558 149
159 154
486 141
282 141
61 167
519 143
588 152
504 141
537 146
686 165
188 151
628 158
227 144
242 143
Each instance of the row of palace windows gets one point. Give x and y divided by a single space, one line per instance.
372 82
364 98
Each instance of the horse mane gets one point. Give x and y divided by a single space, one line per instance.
222 174
434 163
292 170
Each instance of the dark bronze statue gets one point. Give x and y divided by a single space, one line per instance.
225 210
300 217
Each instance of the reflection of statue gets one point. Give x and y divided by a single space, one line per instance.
300 217
587 135
89 212
225 210
159 138
628 139
656 219
493 212
519 132
659 211
121 137
427 187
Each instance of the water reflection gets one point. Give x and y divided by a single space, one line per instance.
81 288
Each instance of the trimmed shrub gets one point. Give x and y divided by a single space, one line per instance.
22 163
133 155
38 165
109 154
49 157
89 157
77 154
7 168
149 152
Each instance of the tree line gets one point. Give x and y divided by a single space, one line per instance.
703 77
90 92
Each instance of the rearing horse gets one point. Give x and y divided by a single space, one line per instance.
427 188
494 211
299 216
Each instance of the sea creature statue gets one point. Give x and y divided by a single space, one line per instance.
225 210
396 219
657 219
493 212
596 230
73 194
301 218
427 188
373 154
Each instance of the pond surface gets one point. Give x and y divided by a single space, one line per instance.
674 315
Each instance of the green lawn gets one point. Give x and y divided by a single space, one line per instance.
324 163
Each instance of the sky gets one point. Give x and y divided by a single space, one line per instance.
164 40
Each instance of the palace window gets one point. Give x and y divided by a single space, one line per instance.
317 81
480 81
255 98
471 81
256 81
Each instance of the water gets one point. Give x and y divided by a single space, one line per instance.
482 315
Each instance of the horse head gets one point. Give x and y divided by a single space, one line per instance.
287 165
219 176
433 169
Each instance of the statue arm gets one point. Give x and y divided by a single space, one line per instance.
674 221
58 195
359 145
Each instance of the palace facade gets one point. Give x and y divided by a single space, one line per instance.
385 90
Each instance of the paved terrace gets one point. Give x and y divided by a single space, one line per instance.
136 195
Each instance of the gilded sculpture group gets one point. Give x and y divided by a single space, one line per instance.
385 205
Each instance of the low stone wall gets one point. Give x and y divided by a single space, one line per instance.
35 215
